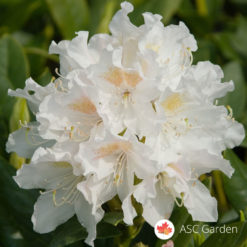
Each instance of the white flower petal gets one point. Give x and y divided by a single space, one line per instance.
128 210
25 141
73 54
202 162
47 216
200 204
84 214
120 25
45 175
33 93
159 207
97 192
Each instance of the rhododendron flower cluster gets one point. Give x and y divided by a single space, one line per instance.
128 116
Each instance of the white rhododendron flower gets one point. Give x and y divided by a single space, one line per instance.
128 116
114 162
180 180
55 171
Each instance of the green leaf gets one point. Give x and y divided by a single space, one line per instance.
179 217
206 51
236 99
207 8
239 39
45 77
14 70
223 42
41 52
9 230
235 239
244 142
105 230
14 67
17 206
72 231
229 217
108 12
183 238
166 8
242 216
68 233
214 8
202 7
198 238
70 15
16 161
20 113
140 244
238 1
236 186
102 12
4 127
146 236
113 218
26 9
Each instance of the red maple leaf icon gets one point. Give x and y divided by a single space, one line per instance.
164 228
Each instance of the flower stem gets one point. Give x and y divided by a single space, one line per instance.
130 233
202 7
219 190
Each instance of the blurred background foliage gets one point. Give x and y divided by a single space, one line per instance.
27 28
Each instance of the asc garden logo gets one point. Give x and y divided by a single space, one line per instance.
164 229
